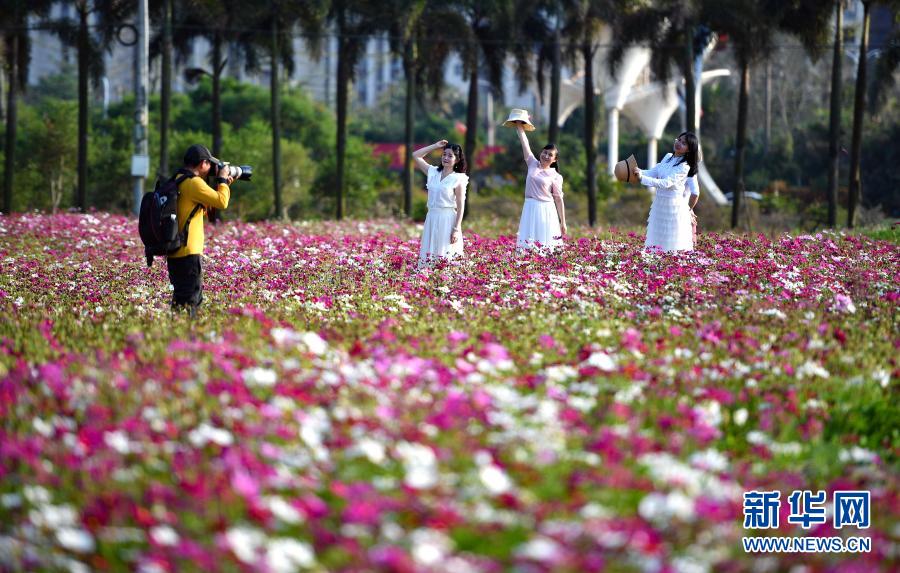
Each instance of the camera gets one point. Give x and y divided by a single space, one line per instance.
223 169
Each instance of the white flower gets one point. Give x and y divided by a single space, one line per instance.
602 360
53 516
283 510
740 416
314 425
283 336
372 449
710 460
661 508
118 440
710 412
164 535
314 343
285 555
75 539
430 547
245 542
259 376
560 373
539 549
494 479
810 369
36 495
420 464
857 454
204 433
43 428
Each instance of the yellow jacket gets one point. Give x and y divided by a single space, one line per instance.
192 192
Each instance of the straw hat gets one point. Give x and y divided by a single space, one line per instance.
624 170
516 115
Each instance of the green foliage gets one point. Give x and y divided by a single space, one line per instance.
45 158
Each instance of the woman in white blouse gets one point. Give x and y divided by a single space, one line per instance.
669 223
543 221
442 236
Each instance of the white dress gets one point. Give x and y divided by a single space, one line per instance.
441 217
669 223
539 225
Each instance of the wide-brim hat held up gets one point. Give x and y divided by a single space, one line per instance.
517 115
624 170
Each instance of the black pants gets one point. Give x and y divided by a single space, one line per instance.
186 276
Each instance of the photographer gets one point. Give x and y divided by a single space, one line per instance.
195 196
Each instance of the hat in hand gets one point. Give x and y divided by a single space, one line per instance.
517 116
624 170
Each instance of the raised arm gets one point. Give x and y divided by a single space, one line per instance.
523 139
420 153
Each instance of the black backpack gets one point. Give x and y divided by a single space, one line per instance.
158 219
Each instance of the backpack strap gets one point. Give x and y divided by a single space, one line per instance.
187 223
186 174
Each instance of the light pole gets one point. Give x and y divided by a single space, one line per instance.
140 160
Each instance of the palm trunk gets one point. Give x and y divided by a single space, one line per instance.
11 110
409 68
767 127
276 122
166 89
590 147
690 84
343 79
216 107
217 94
81 194
471 131
834 130
555 79
859 108
740 143
472 116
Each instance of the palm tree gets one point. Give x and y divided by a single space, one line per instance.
404 24
166 49
750 26
352 21
583 27
280 18
490 23
16 57
107 15
834 121
536 46
223 23
892 55
810 21
859 104
668 27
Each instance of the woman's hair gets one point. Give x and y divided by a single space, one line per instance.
692 155
461 165
555 163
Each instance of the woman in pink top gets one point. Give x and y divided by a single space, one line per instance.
543 222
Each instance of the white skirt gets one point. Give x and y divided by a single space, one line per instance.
669 224
539 226
436 236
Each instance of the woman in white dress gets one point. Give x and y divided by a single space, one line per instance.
442 236
669 223
543 222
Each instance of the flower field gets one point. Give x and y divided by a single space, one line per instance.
333 408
